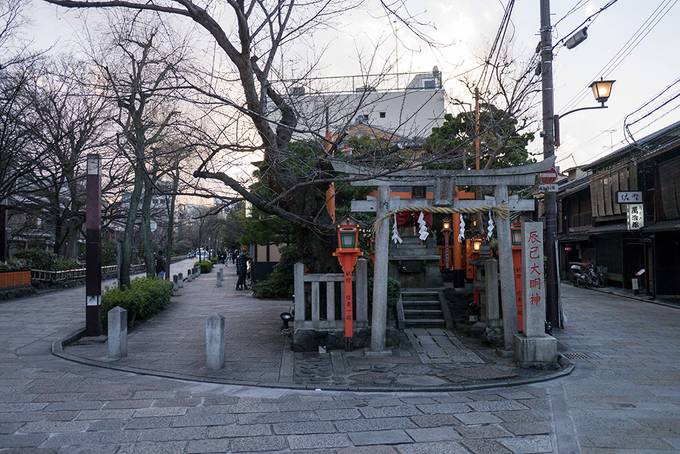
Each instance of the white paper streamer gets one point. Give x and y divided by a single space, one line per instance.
395 232
490 227
422 231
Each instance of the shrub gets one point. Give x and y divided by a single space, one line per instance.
14 265
40 259
146 297
205 265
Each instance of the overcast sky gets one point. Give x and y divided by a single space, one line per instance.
469 26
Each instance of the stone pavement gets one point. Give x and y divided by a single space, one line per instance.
257 354
623 397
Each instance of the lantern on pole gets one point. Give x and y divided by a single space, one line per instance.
347 253
446 231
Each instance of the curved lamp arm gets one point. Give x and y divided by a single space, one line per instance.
556 120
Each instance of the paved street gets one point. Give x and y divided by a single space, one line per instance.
623 397
257 354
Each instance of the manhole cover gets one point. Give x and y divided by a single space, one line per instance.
581 355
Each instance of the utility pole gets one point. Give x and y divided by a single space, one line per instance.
550 198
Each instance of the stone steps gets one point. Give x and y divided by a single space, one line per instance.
422 309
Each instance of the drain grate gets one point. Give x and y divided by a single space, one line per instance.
581 355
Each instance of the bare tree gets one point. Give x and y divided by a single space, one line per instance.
70 122
137 71
18 156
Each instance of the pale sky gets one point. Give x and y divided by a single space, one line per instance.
469 26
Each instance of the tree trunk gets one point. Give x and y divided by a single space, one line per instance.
128 235
171 223
149 259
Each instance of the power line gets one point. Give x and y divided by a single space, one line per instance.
497 43
580 4
636 38
588 19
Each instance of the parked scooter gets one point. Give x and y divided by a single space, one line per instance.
586 275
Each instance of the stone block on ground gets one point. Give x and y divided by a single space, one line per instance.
536 351
214 342
117 333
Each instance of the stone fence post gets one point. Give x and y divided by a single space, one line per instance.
214 342
362 289
116 340
299 289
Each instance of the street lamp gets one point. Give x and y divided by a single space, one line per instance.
602 89
446 231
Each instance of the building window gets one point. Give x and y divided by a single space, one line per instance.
429 83
382 114
418 192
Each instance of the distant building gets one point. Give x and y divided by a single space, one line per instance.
379 101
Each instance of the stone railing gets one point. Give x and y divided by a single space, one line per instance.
317 307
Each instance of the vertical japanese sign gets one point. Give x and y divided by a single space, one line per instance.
534 279
635 216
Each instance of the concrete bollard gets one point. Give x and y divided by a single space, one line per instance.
214 342
189 276
175 282
116 340
219 278
180 280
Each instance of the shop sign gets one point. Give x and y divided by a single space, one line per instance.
626 197
635 216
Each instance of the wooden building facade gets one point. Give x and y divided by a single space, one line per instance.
592 225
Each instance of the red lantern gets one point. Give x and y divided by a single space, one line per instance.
347 253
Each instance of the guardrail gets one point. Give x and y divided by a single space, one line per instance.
108 272
76 274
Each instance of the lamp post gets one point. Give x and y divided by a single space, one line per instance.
446 231
93 248
602 89
347 253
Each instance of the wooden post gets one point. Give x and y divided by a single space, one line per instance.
380 271
299 288
507 273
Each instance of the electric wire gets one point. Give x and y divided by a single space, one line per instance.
580 4
636 38
587 20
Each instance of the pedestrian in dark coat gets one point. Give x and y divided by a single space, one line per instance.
241 270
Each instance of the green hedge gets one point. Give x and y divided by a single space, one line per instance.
206 266
40 259
14 265
145 297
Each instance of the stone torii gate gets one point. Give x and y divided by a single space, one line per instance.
444 182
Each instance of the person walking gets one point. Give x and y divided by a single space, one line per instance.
241 270
160 265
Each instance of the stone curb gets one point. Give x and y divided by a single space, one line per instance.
632 297
58 350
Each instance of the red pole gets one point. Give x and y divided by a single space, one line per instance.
348 304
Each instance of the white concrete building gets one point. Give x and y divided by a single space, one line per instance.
408 111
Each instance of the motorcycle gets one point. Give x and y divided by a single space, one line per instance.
586 275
